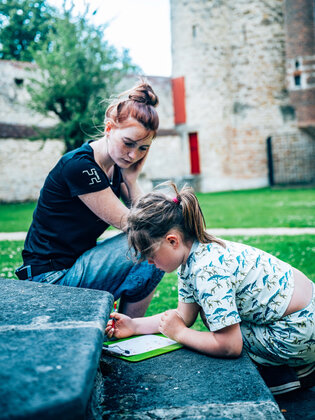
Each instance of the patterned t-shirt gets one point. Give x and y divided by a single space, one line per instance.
235 283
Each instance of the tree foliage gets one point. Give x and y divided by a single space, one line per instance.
77 69
23 24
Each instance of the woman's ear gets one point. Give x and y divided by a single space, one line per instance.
108 127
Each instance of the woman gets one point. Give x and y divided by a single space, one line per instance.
80 199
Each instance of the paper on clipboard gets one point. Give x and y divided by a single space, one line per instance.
139 345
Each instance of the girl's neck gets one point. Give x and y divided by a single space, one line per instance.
187 248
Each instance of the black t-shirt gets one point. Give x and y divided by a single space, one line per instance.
63 227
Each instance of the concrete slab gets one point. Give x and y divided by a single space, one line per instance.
49 348
185 385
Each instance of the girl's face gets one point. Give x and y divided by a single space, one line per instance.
169 254
128 143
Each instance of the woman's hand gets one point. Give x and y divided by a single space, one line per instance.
130 175
120 326
172 325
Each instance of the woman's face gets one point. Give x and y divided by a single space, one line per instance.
128 143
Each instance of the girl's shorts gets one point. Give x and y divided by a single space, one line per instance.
289 341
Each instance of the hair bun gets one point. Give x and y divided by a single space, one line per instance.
143 93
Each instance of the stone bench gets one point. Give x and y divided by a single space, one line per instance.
185 385
50 352
50 343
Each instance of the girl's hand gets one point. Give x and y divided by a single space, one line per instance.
120 327
172 325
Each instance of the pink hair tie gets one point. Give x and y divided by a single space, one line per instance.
176 200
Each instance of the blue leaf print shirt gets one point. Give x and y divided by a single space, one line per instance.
235 283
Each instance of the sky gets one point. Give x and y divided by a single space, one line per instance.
141 26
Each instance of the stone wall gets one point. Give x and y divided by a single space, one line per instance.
232 55
14 97
24 165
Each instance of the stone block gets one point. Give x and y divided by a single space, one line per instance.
185 385
51 339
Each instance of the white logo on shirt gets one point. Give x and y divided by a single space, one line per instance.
94 176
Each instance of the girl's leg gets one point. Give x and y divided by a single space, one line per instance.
109 266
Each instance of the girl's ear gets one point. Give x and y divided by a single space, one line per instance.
172 239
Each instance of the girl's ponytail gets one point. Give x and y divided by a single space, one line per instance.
193 218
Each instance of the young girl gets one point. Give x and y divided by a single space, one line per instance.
80 199
245 296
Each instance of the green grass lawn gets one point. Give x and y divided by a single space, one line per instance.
233 209
259 208
16 217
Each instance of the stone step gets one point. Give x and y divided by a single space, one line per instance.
50 343
185 384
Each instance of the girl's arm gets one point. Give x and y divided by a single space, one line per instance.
122 326
227 342
223 343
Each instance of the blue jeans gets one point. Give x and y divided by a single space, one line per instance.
108 266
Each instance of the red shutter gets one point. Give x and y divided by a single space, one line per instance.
194 153
178 88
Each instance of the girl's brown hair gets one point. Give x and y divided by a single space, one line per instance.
138 103
156 213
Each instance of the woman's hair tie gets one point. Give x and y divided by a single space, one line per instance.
176 200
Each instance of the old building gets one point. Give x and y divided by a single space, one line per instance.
243 72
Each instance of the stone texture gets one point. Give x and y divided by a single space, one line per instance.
50 345
14 98
24 165
185 384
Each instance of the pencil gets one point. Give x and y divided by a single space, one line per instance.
115 310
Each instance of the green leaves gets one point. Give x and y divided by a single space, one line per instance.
23 23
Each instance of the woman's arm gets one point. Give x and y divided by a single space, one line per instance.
131 192
226 342
131 195
107 207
